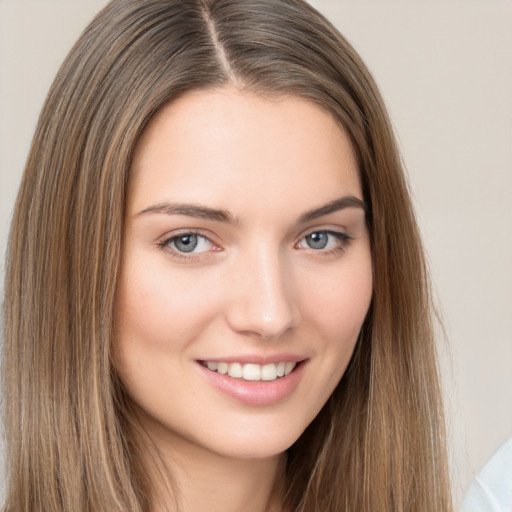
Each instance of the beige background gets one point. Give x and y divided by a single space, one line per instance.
445 69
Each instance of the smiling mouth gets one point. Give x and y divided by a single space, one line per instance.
251 371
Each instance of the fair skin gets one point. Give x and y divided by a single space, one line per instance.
245 251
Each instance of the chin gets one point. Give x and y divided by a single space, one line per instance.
265 441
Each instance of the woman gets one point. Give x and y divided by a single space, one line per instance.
216 295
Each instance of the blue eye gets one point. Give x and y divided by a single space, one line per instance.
187 243
326 241
317 240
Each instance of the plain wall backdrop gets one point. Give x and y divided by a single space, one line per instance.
445 70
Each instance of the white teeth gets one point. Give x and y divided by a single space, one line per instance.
223 368
251 371
288 367
235 370
269 372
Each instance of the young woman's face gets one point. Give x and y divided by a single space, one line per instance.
245 251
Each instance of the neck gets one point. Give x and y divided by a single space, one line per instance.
200 480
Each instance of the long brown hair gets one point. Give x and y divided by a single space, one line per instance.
378 444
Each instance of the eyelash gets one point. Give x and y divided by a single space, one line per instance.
343 241
165 245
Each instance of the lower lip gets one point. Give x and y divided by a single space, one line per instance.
259 392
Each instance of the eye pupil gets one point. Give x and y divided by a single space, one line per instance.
186 243
317 240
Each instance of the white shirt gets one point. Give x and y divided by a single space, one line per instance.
491 491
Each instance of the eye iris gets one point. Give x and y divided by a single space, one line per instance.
186 243
317 240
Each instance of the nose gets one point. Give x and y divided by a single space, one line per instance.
262 300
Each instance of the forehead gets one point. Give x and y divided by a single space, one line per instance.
217 145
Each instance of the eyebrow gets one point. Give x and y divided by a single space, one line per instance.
333 206
190 210
217 215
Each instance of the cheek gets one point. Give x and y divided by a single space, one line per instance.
158 315
160 308
338 303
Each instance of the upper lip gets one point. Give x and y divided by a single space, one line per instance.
257 359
